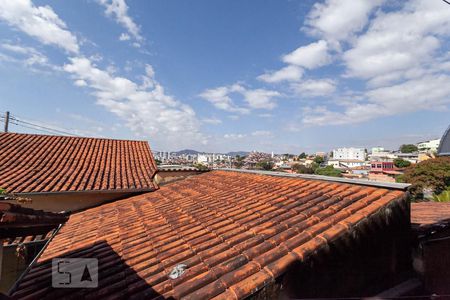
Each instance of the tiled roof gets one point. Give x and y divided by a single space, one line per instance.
424 214
235 232
17 220
32 163
28 238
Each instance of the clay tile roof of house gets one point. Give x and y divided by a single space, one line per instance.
430 215
31 163
221 234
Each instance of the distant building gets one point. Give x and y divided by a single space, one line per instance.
411 157
376 150
203 159
321 154
444 147
383 170
381 166
349 153
346 163
429 146
382 155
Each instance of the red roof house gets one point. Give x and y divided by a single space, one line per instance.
72 173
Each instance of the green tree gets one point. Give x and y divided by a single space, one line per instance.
318 160
158 162
301 169
239 161
444 196
401 163
302 155
431 174
408 148
265 165
329 171
201 167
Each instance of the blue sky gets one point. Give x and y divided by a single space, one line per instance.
283 76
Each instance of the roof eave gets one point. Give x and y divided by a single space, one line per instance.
118 191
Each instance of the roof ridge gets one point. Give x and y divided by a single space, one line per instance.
74 137
389 185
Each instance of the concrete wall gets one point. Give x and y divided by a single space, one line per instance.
71 201
13 265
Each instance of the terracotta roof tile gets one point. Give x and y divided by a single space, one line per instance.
430 216
423 213
236 232
16 220
32 163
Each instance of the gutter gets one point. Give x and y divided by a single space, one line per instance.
395 186
33 262
118 191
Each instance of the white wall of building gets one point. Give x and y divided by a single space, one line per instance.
431 145
349 153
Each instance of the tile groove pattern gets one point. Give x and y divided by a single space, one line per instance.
236 232
42 163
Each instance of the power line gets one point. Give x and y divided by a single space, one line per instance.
42 130
41 127
30 125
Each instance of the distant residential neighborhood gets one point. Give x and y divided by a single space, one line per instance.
376 163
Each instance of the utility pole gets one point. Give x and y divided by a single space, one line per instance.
6 121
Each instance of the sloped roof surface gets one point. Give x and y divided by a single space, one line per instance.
430 213
45 163
444 146
235 232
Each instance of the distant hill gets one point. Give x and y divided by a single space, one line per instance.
187 151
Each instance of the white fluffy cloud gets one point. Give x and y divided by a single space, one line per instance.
428 92
220 98
260 98
403 58
124 37
261 133
391 50
149 112
40 22
254 98
315 88
29 57
336 20
234 136
119 10
212 121
288 73
310 56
